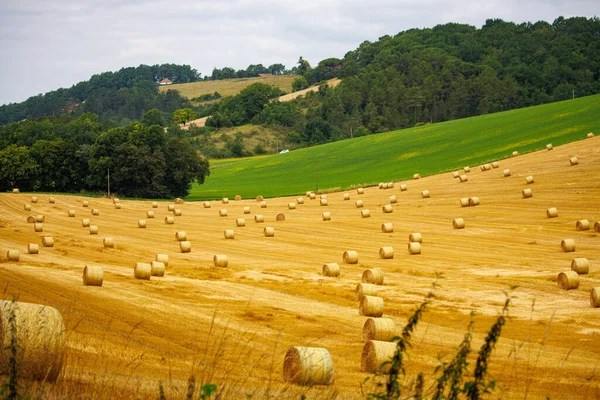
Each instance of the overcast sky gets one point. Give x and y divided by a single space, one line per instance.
47 44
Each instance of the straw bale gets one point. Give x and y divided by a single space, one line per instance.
326 216
308 366
582 225
393 199
170 207
40 218
360 191
549 146
163 258
38 227
383 329
280 217
506 173
359 203
108 242
185 247
118 206
300 200
323 202
177 212
259 198
467 169
403 187
142 223
515 153
291 206
149 214
238 197
225 200
458 223
93 229
95 211
387 209
371 306
495 164
376 356
51 200
157 268
269 231
417 176
580 265
386 252
85 222
247 210
223 212
259 218
595 297
13 255
30 220
350 257
93 275
154 204
373 276
220 260
331 269
414 248
34 199
364 289
415 237
552 212
568 280
240 222
48 241
387 227
529 180
27 207
474 201
142 271
181 236
590 135
425 194
346 196
229 233
464 178
33 248
567 245
526 193
574 161
366 213
206 204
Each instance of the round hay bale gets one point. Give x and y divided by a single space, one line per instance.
387 209
366 213
390 185
323 202
515 153
590 135
403 187
95 211
40 338
154 204
269 231
381 184
206 204
595 297
350 257
383 329
331 270
308 366
386 252
51 200
93 229
85 222
259 198
48 241
326 216
567 245
506 172
346 196
86 203
464 178
371 306
116 200
360 191
529 180
414 248
185 247
220 260
377 356
464 202
33 248
300 200
552 212
118 206
568 280
393 199
526 193
30 220
387 227
157 268
474 201
108 242
312 196
415 237
455 174
163 258
495 164
425 194
27 207
93 275
582 225
574 161
359 203
291 206
364 289
169 220
458 223
280 217
263 204
34 199
549 146
225 200
238 197
247 210
259 218
180 236
13 255
417 176
149 214
40 218
580 265
323 196
373 276
467 169
171 207
229 233
597 227
177 212
38 227
142 271
222 212
142 223
240 222
179 201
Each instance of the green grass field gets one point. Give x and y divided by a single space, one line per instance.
397 155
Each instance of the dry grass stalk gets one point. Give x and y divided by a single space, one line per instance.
373 276
108 242
331 270
40 335
582 225
269 231
350 257
48 241
386 252
552 212
220 260
308 366
371 306
157 268
93 275
366 213
414 248
458 223
568 280
383 329
374 354
580 265
567 245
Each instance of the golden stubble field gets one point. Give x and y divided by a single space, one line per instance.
232 326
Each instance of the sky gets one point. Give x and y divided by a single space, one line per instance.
48 44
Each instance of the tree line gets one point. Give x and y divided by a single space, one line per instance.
68 154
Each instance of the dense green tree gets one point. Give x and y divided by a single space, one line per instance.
299 83
183 115
17 168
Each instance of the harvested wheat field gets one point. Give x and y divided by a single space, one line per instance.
233 326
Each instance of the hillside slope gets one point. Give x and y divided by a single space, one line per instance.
232 326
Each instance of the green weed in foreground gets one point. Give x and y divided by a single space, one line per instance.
397 155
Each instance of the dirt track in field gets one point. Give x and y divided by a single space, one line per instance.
233 326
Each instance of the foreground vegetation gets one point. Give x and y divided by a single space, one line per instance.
397 155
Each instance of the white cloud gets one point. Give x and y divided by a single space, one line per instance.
57 43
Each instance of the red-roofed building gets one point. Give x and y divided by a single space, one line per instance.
165 81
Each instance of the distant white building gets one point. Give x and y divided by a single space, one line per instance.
165 81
